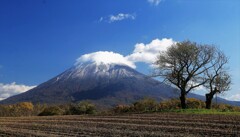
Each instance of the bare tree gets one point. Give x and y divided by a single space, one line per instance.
184 65
218 79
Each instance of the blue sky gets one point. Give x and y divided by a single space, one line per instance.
41 38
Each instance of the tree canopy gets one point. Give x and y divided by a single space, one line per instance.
186 65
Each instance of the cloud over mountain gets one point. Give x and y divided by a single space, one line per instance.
146 53
105 57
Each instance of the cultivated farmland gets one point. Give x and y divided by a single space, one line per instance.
159 124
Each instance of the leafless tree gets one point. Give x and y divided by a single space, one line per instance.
184 65
218 78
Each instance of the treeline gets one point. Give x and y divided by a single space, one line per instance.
20 109
150 105
28 109
146 105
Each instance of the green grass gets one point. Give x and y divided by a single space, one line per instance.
203 111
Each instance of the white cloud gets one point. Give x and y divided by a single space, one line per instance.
235 97
148 52
118 17
121 16
154 2
7 90
105 57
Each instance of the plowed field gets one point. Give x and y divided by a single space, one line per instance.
147 125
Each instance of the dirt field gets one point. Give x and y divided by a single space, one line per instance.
161 124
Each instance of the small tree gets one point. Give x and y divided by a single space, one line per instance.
83 107
51 111
146 105
122 109
24 108
218 79
184 65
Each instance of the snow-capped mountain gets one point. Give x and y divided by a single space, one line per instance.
98 70
104 83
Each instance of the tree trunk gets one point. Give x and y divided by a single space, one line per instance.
183 101
209 98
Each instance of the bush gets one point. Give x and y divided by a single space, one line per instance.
226 108
192 103
195 103
4 111
52 110
83 107
146 105
19 109
38 108
122 109
169 104
28 109
24 109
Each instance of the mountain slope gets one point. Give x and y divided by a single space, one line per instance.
107 84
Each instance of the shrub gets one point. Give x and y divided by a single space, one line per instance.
24 109
122 109
19 109
175 104
38 108
52 110
4 111
226 108
145 105
169 104
83 107
195 103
